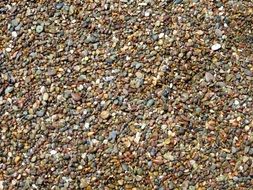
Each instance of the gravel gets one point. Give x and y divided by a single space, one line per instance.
126 94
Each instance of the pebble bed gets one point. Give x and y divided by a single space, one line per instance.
126 94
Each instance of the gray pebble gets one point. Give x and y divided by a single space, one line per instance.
91 39
113 135
177 1
248 72
40 113
15 22
150 102
209 77
59 5
138 65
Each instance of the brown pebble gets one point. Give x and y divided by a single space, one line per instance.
76 96
158 161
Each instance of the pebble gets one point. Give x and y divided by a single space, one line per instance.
209 77
105 114
177 1
112 135
15 22
9 89
216 47
39 28
76 96
218 32
14 34
137 137
1 185
45 96
150 102
59 5
40 113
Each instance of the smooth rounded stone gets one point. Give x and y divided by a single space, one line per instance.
45 96
59 5
209 77
9 89
14 34
34 158
150 102
76 96
198 110
39 28
185 97
41 113
216 47
105 114
81 78
177 1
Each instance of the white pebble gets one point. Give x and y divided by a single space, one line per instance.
216 47
42 89
147 13
8 49
53 152
14 34
161 35
87 125
45 96
137 137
